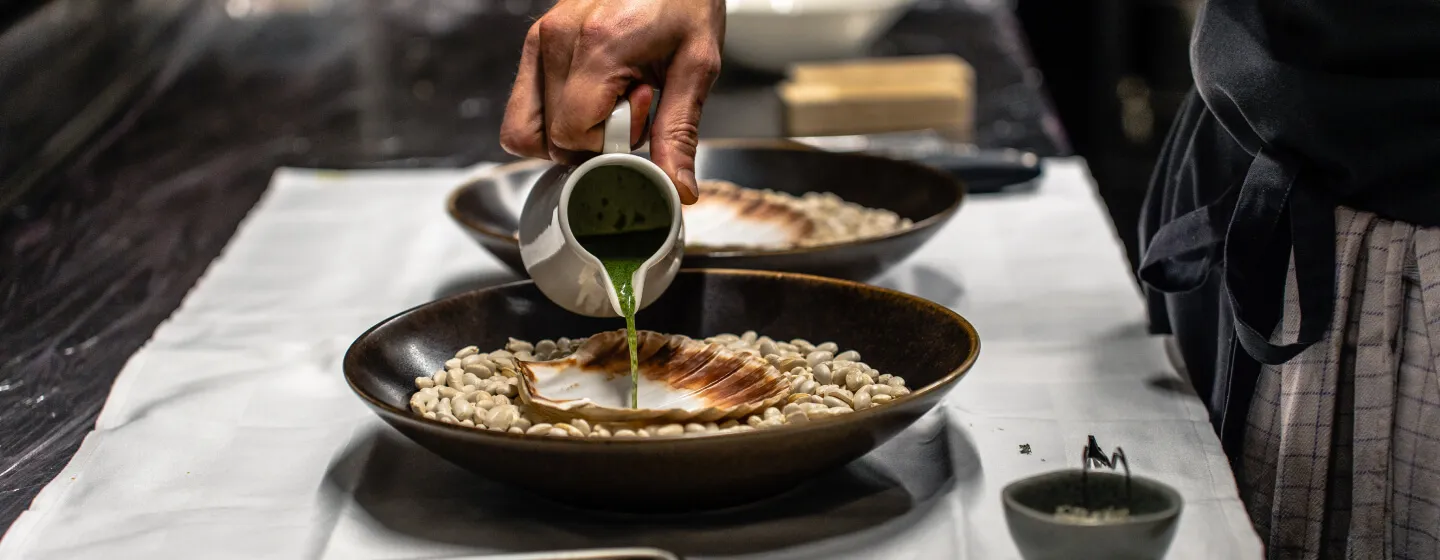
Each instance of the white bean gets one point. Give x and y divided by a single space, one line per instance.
624 433
862 400
809 408
755 420
502 416
693 428
467 351
440 378
452 363
822 374
849 356
569 429
448 392
478 370
462 408
670 430
818 356
515 430
582 425
881 399
422 401
833 402
855 380
828 347
539 429
797 418
424 382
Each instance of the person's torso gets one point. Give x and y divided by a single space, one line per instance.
1349 90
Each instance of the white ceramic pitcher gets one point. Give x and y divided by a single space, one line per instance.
563 270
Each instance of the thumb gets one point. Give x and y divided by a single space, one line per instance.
675 134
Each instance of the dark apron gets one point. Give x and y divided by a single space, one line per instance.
1300 106
1217 231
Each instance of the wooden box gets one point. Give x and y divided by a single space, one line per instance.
880 95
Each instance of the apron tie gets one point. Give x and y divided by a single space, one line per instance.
1242 229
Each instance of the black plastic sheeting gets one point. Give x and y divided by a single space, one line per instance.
135 134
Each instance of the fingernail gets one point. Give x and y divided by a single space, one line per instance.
687 182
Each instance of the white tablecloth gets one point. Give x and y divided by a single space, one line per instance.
233 435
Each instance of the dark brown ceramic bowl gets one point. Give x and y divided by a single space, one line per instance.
927 344
489 207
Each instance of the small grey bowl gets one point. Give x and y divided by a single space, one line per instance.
1146 534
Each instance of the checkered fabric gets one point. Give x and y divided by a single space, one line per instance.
1342 448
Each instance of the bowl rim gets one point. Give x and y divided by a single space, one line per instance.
858 416
1177 504
944 215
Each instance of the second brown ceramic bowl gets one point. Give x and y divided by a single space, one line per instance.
489 208
927 344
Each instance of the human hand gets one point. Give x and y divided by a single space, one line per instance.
584 55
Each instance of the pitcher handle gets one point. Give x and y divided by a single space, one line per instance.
617 129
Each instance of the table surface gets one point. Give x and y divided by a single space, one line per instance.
184 109
232 433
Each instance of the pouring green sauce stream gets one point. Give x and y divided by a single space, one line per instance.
622 254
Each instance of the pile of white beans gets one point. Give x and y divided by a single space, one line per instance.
478 389
836 220
1077 514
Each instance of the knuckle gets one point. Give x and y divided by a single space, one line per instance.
707 66
595 33
550 28
565 136
517 142
683 136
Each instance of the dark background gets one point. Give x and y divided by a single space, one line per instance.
1117 72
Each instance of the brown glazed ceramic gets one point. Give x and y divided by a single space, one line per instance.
927 344
488 208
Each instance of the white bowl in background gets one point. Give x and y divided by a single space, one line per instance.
772 34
